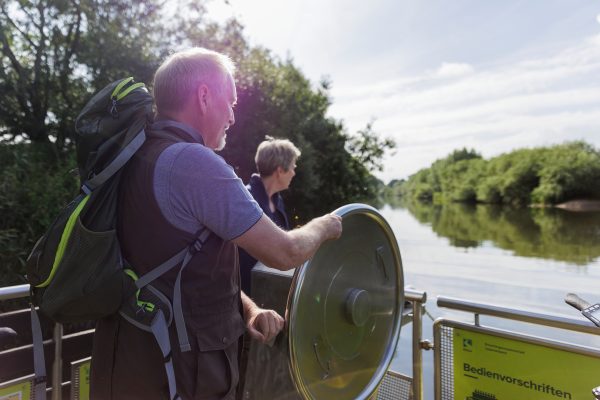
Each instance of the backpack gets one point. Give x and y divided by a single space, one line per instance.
75 270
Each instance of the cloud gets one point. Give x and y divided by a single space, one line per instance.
454 69
536 101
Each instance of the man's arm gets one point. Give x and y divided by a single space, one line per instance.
283 250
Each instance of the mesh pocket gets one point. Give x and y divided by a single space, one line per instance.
88 283
41 259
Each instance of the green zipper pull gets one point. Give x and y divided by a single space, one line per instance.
113 109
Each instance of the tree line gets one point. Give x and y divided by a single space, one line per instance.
544 176
55 54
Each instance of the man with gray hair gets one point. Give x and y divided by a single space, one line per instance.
174 191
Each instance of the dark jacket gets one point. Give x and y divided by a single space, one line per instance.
256 187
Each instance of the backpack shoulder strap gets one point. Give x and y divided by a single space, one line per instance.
125 155
39 365
158 325
183 258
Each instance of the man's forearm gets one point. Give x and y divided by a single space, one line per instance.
306 240
285 250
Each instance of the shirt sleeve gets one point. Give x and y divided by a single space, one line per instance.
196 188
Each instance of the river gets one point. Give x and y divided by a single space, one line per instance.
519 258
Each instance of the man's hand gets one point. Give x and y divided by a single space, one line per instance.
264 325
332 224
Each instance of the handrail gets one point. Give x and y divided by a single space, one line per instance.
14 292
20 291
416 297
518 315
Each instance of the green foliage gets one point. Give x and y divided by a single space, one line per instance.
33 188
569 172
462 154
547 175
369 149
55 54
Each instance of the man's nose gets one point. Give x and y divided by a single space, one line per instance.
231 118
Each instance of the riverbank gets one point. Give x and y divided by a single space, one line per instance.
580 205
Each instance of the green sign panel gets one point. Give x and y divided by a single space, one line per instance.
488 367
16 391
82 380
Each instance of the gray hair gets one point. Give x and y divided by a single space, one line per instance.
273 153
180 75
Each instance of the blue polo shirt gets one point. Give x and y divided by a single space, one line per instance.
196 188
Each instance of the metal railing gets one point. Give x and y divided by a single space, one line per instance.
14 292
444 355
554 321
415 297
21 291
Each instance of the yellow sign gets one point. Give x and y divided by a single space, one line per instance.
488 367
82 380
16 391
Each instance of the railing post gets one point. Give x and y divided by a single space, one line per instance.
417 356
58 364
418 300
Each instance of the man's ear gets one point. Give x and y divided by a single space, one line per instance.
203 97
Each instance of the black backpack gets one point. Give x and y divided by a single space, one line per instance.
76 271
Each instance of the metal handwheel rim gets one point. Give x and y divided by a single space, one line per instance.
358 310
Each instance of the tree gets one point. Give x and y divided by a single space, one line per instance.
369 148
55 53
546 175
570 171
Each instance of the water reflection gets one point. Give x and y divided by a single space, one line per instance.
556 234
454 251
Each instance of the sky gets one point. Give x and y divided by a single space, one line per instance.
439 75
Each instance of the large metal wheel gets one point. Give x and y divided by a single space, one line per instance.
344 310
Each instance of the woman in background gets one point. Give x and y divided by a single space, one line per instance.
276 163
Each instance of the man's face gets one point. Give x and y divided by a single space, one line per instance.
221 115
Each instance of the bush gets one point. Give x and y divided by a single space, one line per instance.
34 186
547 175
571 171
